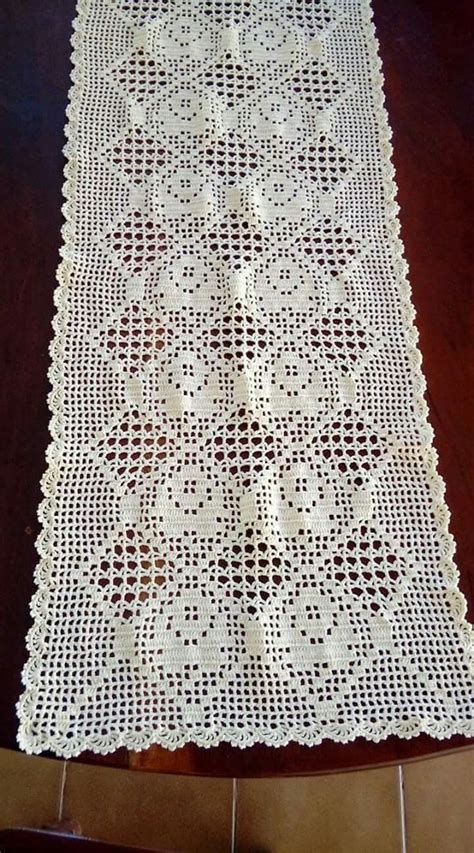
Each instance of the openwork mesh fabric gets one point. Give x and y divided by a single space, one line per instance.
244 532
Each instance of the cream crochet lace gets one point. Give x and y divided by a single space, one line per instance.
244 533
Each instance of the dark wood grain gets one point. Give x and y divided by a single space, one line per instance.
425 47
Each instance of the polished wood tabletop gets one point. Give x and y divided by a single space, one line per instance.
425 47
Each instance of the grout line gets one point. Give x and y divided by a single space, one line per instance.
61 792
401 804
235 804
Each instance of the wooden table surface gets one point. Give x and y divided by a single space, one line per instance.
425 45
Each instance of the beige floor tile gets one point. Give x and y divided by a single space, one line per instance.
29 789
342 813
439 803
184 813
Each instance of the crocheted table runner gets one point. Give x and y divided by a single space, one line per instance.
244 533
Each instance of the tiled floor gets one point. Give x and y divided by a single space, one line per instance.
343 813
